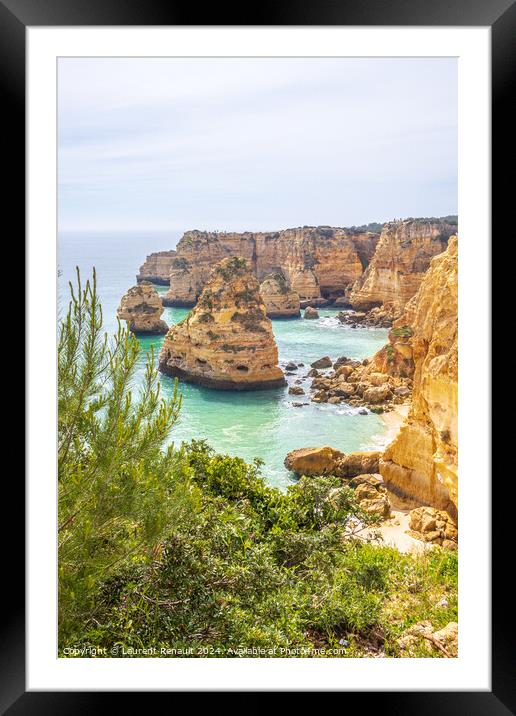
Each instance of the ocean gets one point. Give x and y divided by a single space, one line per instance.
262 424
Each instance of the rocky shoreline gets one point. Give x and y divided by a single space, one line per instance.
409 285
226 341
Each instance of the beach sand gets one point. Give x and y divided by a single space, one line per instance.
393 420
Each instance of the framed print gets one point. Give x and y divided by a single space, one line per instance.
260 252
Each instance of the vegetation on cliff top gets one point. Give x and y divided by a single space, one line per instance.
181 548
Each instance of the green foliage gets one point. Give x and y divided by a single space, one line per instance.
235 266
256 568
206 299
402 332
181 264
117 491
251 320
374 227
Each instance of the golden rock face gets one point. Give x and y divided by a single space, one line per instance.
280 301
422 460
398 266
313 260
141 307
226 341
156 267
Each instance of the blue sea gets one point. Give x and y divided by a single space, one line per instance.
262 424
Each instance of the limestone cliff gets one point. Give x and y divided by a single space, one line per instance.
399 263
141 307
226 341
422 459
280 301
156 268
316 261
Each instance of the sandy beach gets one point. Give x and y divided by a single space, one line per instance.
393 421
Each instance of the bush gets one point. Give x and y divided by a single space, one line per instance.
117 490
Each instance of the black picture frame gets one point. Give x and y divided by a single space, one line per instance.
15 17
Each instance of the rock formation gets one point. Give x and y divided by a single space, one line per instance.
358 471
315 261
226 341
399 263
141 307
377 317
435 526
360 383
280 301
422 460
328 461
156 268
310 313
371 494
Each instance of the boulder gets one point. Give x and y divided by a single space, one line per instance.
310 313
377 395
379 505
313 461
374 481
322 363
296 390
359 463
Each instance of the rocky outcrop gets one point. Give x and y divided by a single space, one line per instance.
400 261
310 313
371 494
156 268
141 307
435 526
226 341
315 261
328 461
360 383
396 358
280 301
422 460
313 461
377 317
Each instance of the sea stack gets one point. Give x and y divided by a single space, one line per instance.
226 341
280 301
141 307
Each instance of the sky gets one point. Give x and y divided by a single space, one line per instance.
158 144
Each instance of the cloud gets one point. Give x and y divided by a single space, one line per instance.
254 143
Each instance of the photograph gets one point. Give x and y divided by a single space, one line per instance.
257 357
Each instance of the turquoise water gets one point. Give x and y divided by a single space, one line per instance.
262 424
